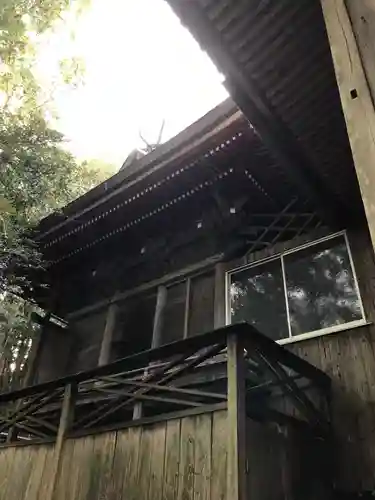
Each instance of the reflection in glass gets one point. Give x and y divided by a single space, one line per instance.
320 287
257 296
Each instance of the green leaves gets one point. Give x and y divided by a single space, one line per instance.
6 207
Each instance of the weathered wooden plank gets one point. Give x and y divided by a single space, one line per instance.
46 474
66 467
236 431
356 100
130 485
157 462
19 473
144 464
66 418
39 460
121 464
219 456
172 459
104 450
187 451
362 16
202 459
87 479
7 455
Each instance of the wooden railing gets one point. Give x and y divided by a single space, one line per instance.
230 367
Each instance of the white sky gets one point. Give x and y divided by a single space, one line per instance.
141 66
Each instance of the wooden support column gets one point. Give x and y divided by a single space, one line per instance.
348 58
66 419
236 466
34 355
161 301
219 296
105 348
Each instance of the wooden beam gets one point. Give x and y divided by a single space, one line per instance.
180 370
356 98
197 267
105 348
163 388
66 419
236 421
258 109
190 142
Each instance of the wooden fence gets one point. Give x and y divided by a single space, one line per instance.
180 454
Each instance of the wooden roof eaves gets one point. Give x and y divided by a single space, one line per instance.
251 99
188 142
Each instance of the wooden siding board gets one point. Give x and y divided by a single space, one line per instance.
63 480
219 456
7 456
21 470
203 448
130 486
157 462
165 461
120 468
187 450
104 450
172 459
33 485
144 464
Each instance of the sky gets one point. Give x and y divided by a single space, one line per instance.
141 66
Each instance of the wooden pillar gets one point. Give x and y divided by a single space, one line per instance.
219 296
66 419
236 465
33 358
161 301
348 58
105 348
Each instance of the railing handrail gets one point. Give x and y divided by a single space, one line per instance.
243 329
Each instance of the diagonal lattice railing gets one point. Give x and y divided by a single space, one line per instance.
182 377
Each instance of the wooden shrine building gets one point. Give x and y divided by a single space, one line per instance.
209 312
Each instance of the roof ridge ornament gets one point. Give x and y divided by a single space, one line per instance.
138 153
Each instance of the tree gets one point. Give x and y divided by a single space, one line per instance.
37 174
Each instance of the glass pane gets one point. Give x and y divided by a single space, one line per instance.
134 325
257 296
321 287
201 310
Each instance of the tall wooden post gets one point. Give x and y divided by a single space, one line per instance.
105 348
236 466
161 301
66 419
349 58
219 296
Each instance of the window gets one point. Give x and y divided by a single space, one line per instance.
308 291
189 308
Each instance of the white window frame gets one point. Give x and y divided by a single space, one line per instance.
280 256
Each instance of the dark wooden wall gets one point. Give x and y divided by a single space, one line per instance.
184 458
349 358
53 358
